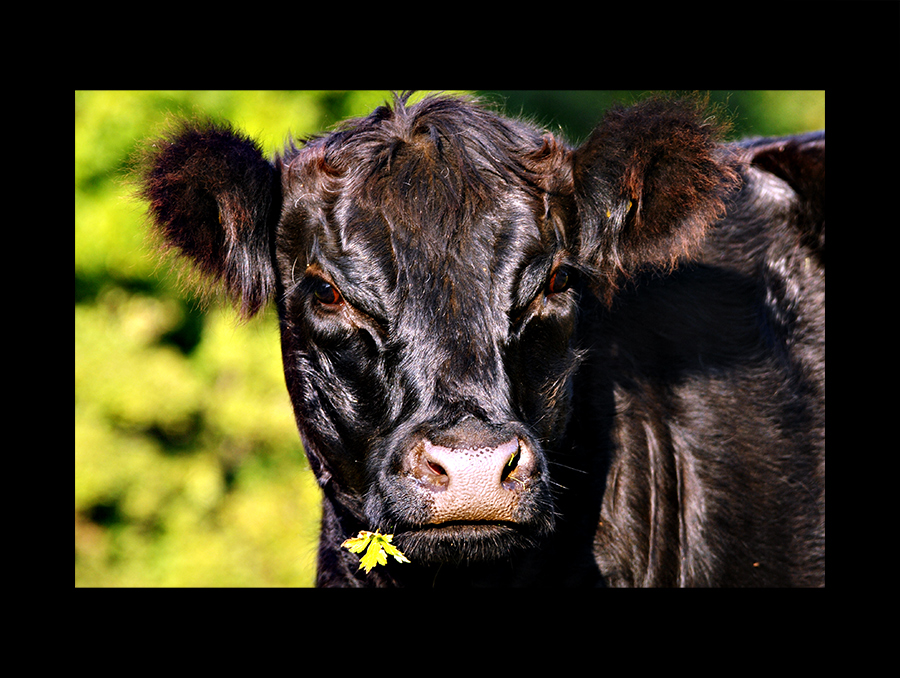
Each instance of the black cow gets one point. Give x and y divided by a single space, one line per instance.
533 364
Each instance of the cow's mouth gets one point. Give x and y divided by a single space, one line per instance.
460 541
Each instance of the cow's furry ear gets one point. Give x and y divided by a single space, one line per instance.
648 182
214 197
800 161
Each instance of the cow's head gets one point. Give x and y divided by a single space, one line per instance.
429 263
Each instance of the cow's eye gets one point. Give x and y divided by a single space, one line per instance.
327 294
560 281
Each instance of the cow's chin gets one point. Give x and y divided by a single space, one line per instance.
459 542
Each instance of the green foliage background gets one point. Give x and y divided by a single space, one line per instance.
188 467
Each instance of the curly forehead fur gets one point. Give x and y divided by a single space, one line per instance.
440 161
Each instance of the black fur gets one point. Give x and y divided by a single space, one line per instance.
640 318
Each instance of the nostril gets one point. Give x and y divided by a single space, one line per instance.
436 468
511 464
510 477
427 470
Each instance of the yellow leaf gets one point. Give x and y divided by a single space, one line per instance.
377 548
374 556
358 543
392 550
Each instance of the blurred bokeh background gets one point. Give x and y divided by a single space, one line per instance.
188 467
